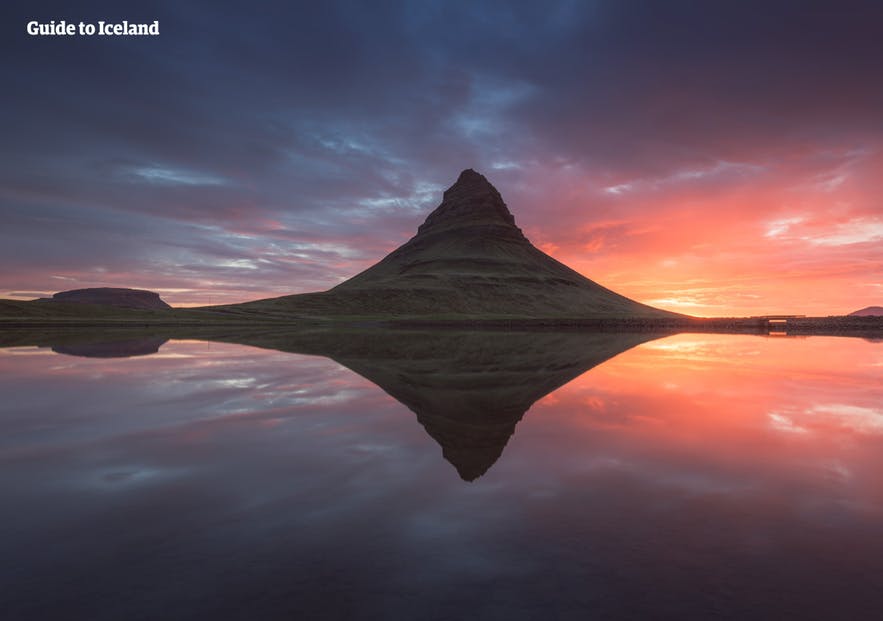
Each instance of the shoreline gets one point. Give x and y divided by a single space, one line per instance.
871 327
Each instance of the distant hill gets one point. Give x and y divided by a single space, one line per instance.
110 296
870 311
467 260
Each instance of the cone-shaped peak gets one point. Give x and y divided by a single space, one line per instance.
470 174
470 177
471 201
469 257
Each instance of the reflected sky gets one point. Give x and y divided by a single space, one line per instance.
688 477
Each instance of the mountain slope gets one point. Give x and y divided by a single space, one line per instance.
468 259
870 311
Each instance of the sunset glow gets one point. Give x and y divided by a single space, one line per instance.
692 156
753 411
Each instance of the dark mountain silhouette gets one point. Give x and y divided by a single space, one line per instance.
468 259
110 296
870 311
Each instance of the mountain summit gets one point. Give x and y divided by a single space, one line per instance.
471 201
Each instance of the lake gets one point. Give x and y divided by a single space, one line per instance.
441 476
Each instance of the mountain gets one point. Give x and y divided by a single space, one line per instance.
109 296
870 311
468 259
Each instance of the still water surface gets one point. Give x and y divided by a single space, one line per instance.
451 477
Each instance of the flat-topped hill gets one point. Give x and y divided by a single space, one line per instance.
112 296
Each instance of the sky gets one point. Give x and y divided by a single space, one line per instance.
711 158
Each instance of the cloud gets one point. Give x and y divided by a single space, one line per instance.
777 228
855 231
158 174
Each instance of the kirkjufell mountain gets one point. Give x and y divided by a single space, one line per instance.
468 259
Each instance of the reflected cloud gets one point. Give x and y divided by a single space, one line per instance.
864 419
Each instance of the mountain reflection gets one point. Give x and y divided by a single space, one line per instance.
469 390
88 343
113 349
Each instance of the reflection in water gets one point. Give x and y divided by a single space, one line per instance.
692 476
470 389
113 349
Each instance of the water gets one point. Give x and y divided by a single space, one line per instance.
451 476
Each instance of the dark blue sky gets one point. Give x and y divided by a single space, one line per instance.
257 149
